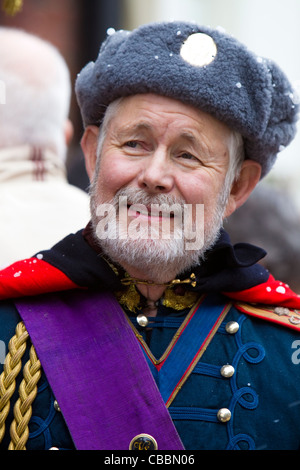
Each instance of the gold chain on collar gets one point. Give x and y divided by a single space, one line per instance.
131 299
133 280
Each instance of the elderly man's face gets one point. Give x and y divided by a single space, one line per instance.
162 149
163 146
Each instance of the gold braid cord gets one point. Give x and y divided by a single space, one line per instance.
12 367
27 390
19 431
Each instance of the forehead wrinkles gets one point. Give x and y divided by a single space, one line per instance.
134 128
190 133
148 112
140 114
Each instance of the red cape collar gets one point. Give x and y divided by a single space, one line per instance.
34 276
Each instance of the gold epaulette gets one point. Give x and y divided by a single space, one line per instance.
280 315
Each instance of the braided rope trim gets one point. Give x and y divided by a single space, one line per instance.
19 431
12 367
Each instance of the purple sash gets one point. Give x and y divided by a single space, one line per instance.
97 371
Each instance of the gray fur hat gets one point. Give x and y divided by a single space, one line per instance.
200 66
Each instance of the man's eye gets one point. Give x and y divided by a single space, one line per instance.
132 144
187 156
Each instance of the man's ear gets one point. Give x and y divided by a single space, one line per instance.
68 131
242 188
89 143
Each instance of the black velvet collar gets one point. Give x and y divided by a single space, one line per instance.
230 268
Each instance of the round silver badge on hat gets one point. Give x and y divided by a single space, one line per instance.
199 49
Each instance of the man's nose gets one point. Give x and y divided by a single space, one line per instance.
156 175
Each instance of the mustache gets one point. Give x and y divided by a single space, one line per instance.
139 196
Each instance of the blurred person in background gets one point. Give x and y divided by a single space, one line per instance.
270 219
37 205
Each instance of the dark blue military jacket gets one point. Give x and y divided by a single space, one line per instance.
244 393
254 404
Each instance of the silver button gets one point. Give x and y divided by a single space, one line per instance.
227 371
232 327
142 320
56 406
224 415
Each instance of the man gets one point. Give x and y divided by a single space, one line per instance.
152 330
38 206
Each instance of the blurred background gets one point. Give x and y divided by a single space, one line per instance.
271 28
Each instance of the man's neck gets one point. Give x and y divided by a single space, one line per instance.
151 292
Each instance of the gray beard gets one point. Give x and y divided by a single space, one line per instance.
161 259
